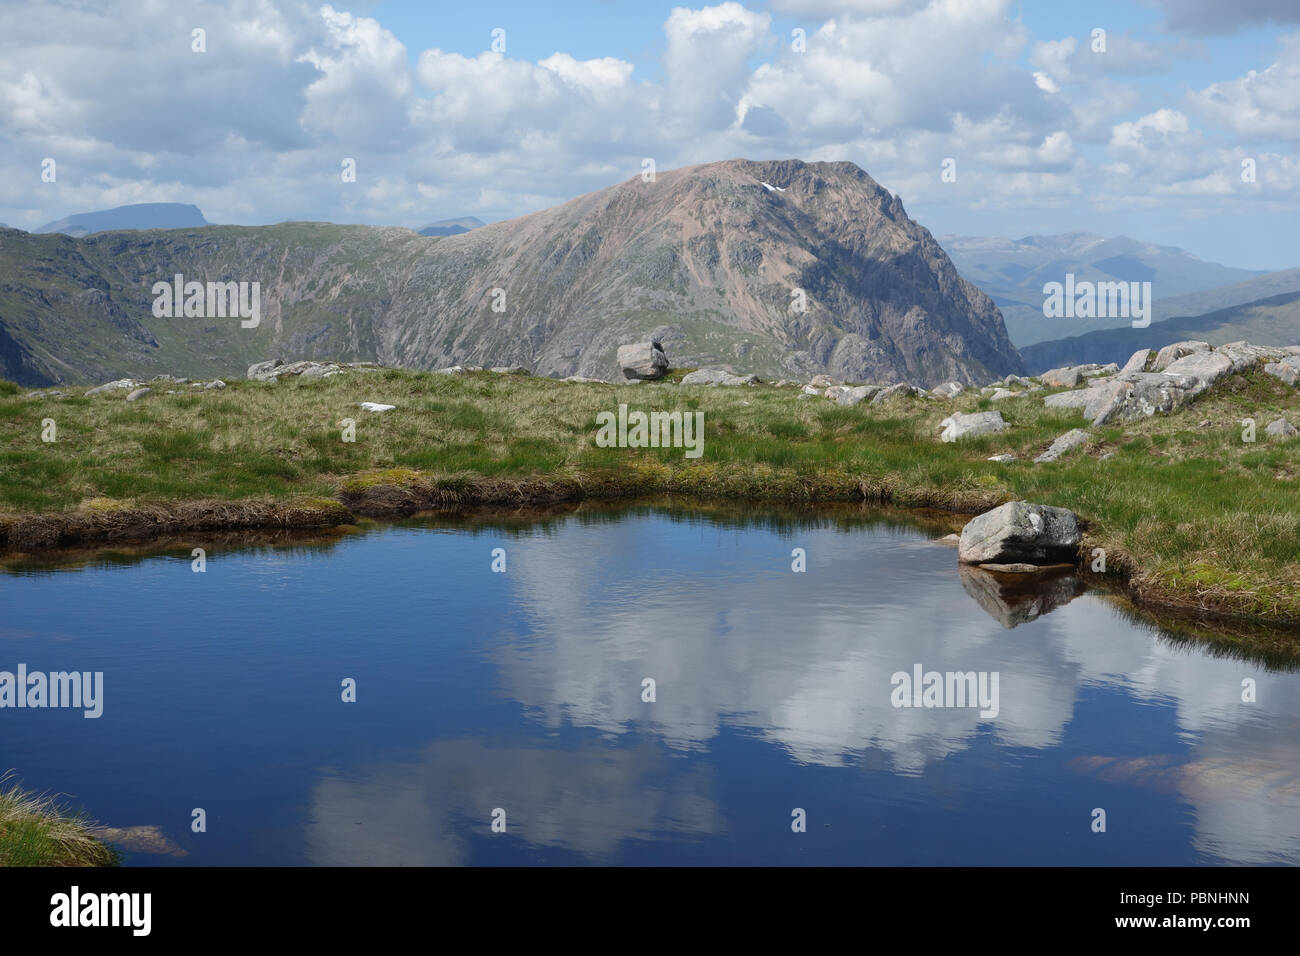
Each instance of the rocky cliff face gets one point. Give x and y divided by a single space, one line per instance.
707 260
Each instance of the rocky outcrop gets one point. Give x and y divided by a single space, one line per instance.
276 369
1181 372
1020 533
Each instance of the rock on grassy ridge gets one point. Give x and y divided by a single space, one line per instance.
704 260
1174 377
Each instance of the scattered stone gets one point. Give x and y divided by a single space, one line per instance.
1069 377
1171 353
902 389
1281 429
1067 442
458 369
585 381
1002 458
1001 393
263 371
1205 423
121 383
822 381
857 393
169 378
642 360
1020 532
375 407
811 390
948 390
1108 369
1107 457
717 376
1137 361
950 540
510 370
139 393
1287 369
963 425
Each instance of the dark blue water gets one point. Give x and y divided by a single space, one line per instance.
523 691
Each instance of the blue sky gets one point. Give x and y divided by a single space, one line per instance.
1145 137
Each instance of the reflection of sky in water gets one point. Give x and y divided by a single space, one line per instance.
523 691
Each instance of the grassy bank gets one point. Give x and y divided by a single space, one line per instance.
1188 514
37 831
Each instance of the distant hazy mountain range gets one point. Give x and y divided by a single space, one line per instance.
825 273
1014 271
451 227
144 215
1270 321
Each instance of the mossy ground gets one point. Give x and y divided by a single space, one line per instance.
1189 513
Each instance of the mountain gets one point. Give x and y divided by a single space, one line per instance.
1271 321
451 227
705 260
143 215
1014 271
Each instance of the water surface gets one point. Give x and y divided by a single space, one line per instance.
523 691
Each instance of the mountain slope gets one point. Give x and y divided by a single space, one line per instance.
704 260
144 215
1013 272
1271 321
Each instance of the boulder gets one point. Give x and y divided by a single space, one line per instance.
810 390
642 360
1067 442
963 425
1020 533
1137 361
509 370
1003 459
1286 369
138 394
1244 355
121 383
717 376
852 395
1001 393
902 389
264 371
216 383
822 381
1281 429
1171 353
375 407
948 390
1069 377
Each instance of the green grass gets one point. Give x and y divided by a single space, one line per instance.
36 831
1189 514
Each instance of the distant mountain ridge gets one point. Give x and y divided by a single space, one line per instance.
1270 321
144 215
828 275
1013 272
451 227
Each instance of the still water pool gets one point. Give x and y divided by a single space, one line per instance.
525 691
